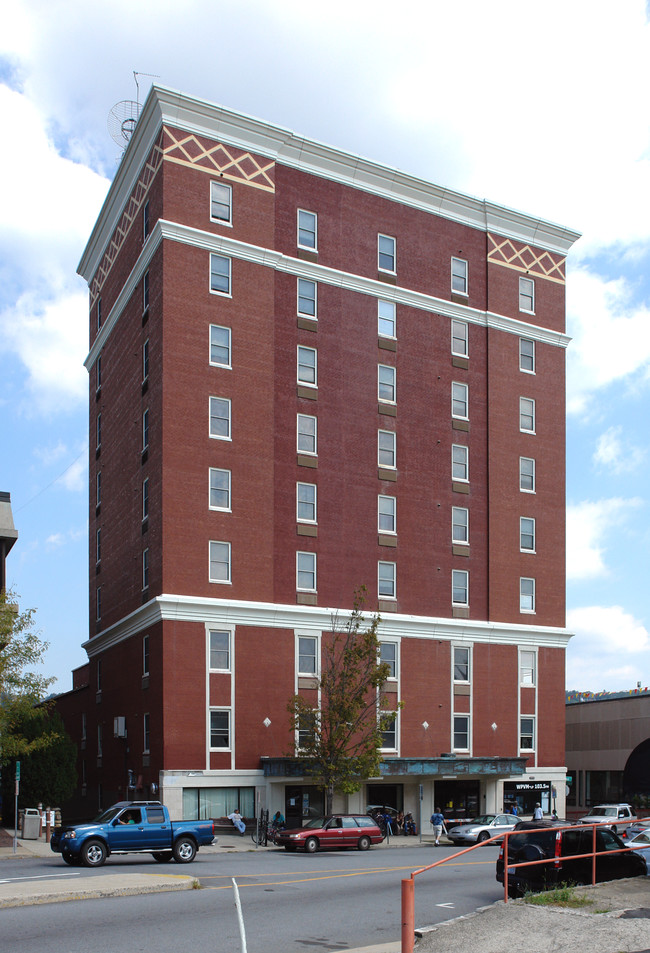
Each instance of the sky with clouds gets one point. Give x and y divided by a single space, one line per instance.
540 107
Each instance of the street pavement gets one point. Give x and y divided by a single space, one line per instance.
618 920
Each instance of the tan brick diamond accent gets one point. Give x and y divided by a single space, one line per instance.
214 157
520 257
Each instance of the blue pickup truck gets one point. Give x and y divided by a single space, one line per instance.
132 826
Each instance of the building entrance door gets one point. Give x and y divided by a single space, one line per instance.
301 803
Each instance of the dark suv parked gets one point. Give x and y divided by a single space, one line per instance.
531 842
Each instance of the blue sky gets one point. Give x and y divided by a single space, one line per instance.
539 107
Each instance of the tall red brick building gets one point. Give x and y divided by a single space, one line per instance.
309 373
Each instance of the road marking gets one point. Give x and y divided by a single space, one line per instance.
15 880
449 905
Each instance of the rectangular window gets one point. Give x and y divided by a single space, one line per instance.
145 430
459 524
526 595
99 373
387 449
99 431
220 274
307 725
527 295
145 499
99 313
459 338
460 587
459 401
219 651
145 292
527 534
461 664
527 668
220 418
389 733
219 345
145 569
220 203
98 488
459 271
526 474
387 514
386 319
386 383
146 734
461 732
99 741
99 675
83 725
307 370
219 562
527 355
526 415
386 573
306 502
307 229
307 655
527 734
306 298
388 655
145 361
386 253
219 493
306 572
98 603
98 546
145 220
145 654
307 435
460 463
220 729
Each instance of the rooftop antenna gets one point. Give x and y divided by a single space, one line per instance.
124 115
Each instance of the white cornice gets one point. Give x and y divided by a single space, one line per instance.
203 118
315 619
268 258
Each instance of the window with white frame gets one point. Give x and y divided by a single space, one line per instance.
219 650
220 418
219 729
221 203
386 579
145 430
307 727
306 572
307 370
527 355
145 292
219 489
459 272
459 338
386 449
307 298
219 561
527 474
145 499
460 463
220 268
527 534
99 431
84 726
461 663
306 502
387 514
145 569
386 383
99 313
460 587
527 733
220 345
386 253
460 524
98 488
145 361
146 733
145 220
461 733
527 667
389 733
99 741
526 415
307 229
145 654
98 545
388 655
527 295
98 603
386 319
459 400
307 655
307 440
526 594
99 373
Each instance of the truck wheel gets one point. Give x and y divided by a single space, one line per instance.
163 856
68 858
93 853
184 850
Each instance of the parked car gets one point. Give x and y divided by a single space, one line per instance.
482 828
535 841
334 830
637 828
616 816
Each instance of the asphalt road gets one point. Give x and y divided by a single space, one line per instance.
291 903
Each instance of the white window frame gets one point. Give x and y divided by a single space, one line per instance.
394 732
527 667
464 660
527 410
459 276
99 431
386 578
217 346
225 559
459 338
461 716
145 292
459 400
227 205
98 488
386 384
307 489
145 499
303 433
212 471
526 355
228 736
146 733
307 294
392 662
525 735
527 473
146 229
312 367
306 565
526 295
527 594
307 224
226 275
455 464
460 525
145 569
145 360
98 545
213 630
380 253
527 528
223 404
386 319
300 637
145 430
387 512
389 437
145 654
456 576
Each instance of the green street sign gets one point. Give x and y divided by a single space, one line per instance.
17 770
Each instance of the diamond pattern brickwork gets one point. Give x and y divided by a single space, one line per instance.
531 261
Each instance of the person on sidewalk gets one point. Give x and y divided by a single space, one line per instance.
237 820
438 822
538 813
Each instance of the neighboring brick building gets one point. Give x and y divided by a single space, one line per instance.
308 373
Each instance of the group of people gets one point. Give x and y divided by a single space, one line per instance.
393 824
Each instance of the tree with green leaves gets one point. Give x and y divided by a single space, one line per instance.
339 726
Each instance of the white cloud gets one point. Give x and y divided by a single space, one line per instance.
610 650
587 526
614 453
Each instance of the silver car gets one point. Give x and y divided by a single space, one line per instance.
482 828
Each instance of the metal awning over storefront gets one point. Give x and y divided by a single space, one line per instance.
411 767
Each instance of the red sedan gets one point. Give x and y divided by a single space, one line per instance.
335 830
